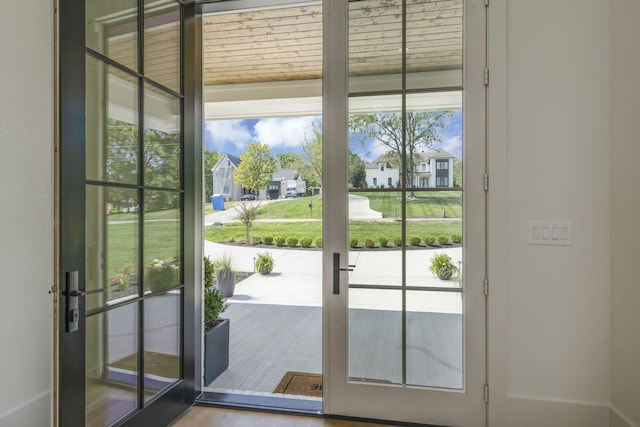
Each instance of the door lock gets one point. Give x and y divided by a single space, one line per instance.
72 293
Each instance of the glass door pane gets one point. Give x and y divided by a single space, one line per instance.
411 329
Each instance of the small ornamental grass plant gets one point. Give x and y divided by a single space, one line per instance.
442 266
264 263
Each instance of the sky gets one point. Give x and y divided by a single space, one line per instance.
286 134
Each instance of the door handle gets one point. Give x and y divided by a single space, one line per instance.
72 293
336 272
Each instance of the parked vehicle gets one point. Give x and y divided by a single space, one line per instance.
248 197
295 188
291 193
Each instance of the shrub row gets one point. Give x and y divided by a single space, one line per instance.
428 240
307 242
291 241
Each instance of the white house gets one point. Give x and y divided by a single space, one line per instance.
223 182
432 170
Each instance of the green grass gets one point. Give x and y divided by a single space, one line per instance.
293 208
162 239
358 229
423 205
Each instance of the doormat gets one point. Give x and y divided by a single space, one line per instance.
157 364
300 384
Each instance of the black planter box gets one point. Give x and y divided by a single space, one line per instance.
216 351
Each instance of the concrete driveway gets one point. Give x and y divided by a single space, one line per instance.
358 209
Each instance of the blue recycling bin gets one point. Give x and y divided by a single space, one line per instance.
217 201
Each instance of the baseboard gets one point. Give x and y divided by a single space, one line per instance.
34 412
616 419
528 412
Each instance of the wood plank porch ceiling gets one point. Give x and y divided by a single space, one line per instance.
285 44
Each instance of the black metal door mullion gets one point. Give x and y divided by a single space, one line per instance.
404 188
71 206
141 201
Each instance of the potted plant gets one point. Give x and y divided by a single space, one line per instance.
216 330
225 275
442 266
264 263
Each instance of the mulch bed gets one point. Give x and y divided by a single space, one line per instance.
357 248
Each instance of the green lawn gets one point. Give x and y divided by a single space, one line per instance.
162 239
423 205
162 235
358 229
293 208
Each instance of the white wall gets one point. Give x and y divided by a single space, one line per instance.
625 202
26 257
549 160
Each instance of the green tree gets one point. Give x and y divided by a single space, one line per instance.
357 171
161 162
211 157
310 168
256 168
288 160
457 173
121 160
247 213
422 132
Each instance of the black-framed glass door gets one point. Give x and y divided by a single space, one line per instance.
127 178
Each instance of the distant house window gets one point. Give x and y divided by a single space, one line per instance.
423 167
381 168
424 182
389 182
442 164
375 181
442 181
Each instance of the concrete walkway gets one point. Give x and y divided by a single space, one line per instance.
297 278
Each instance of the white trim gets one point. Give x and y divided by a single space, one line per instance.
402 403
18 413
497 213
617 418
335 208
289 99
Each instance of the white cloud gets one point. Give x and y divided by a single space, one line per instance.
284 131
453 145
229 132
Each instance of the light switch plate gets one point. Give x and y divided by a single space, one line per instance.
550 233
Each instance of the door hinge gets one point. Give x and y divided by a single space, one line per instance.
486 77
486 286
486 393
485 181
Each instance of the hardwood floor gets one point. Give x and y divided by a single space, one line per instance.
201 416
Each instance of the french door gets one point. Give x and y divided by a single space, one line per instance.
126 196
403 85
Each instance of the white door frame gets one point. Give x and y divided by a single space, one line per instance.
403 403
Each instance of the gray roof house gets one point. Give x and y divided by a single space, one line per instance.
224 184
223 177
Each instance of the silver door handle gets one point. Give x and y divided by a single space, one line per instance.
336 272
